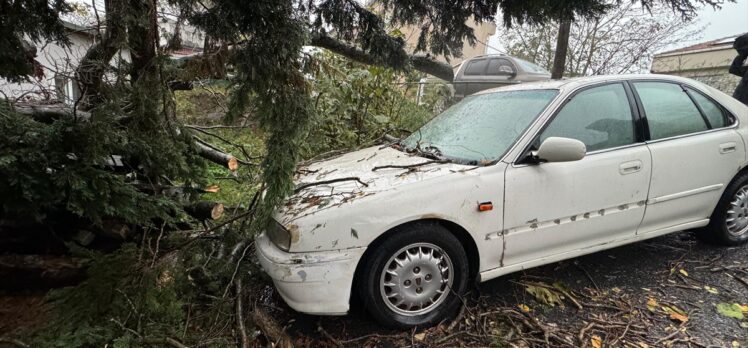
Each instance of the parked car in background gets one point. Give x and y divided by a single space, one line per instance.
494 70
508 179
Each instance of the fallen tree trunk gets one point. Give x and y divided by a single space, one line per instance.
39 271
205 210
50 113
419 62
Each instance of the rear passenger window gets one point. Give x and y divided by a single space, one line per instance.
669 110
476 67
600 117
712 111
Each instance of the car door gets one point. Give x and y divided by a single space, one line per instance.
695 153
499 72
553 208
470 79
484 73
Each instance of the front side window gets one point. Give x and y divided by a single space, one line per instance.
711 110
669 110
476 67
481 127
600 117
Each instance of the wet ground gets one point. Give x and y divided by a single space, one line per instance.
659 293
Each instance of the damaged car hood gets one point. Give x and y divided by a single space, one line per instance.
356 175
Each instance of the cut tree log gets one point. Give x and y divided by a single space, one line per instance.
49 113
217 156
205 210
39 271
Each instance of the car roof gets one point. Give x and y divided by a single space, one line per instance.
573 83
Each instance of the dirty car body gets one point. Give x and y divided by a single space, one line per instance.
509 179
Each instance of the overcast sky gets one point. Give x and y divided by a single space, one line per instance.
732 19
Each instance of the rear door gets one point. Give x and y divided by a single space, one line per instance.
695 153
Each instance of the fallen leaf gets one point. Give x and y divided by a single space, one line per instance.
596 341
711 289
679 317
545 295
420 337
523 307
736 344
683 272
744 324
731 310
743 308
652 304
673 309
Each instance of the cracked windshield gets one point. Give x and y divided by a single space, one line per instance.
481 127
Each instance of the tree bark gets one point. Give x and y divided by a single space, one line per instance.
205 210
39 271
142 38
216 156
90 71
422 63
562 47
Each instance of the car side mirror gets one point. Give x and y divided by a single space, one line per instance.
558 149
507 70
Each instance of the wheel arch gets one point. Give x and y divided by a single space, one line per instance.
466 240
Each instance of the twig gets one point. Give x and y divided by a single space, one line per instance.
588 275
240 313
194 126
457 320
668 337
14 342
327 335
236 268
323 182
582 341
409 166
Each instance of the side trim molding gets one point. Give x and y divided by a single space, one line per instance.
673 196
499 271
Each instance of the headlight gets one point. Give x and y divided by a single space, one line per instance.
279 235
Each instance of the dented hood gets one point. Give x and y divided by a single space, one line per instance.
355 175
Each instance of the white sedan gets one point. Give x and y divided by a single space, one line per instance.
505 180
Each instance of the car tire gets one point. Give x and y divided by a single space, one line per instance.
728 224
415 277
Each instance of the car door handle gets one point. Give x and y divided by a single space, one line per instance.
630 167
727 147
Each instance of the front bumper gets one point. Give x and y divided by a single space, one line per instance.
313 282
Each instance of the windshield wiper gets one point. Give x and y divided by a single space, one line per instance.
430 152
